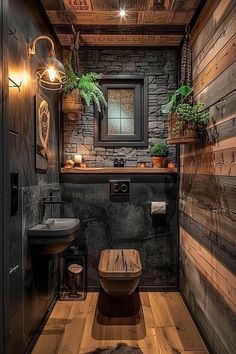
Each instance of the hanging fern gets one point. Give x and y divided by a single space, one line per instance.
89 88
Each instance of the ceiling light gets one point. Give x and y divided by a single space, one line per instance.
122 13
50 73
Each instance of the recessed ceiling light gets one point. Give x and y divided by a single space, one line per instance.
122 13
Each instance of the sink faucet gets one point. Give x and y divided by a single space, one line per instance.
50 201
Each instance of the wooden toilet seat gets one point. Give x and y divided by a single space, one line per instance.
120 263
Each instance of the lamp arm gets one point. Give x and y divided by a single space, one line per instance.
32 46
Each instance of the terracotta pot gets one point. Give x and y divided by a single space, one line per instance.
185 135
158 161
72 105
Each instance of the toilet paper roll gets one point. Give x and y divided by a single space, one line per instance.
158 208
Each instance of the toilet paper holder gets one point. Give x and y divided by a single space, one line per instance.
160 218
159 207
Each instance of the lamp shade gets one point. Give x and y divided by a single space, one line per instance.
51 74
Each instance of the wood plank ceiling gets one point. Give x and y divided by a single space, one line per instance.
147 22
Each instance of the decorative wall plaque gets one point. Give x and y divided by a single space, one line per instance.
42 128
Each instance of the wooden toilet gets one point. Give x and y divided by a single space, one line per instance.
119 271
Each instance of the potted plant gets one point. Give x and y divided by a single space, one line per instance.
80 90
186 120
159 154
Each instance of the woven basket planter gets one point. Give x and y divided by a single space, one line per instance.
72 105
187 134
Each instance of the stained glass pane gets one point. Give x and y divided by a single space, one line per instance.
127 126
114 104
113 126
127 103
120 111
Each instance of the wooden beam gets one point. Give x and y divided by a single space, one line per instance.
123 40
124 30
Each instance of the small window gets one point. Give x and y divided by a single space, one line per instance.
124 121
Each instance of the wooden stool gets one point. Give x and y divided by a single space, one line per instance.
74 271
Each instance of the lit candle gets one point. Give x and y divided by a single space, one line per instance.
142 164
78 159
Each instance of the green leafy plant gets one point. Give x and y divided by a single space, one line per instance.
186 111
89 88
177 98
159 150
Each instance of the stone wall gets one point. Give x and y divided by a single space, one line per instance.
160 65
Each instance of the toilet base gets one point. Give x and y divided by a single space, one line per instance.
119 287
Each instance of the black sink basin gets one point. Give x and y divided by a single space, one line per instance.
53 236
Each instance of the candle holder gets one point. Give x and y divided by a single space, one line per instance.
78 160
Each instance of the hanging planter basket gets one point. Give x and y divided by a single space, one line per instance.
72 105
186 134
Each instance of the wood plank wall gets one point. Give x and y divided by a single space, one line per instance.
208 183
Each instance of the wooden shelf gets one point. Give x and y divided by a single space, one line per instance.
118 170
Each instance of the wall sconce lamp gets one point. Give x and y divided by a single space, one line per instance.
12 83
50 74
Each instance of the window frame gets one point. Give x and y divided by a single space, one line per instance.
140 136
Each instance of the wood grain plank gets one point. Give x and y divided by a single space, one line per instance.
223 85
210 200
222 112
216 244
54 329
219 276
203 19
122 29
122 40
224 58
118 170
212 314
89 343
207 183
202 214
225 144
214 21
112 17
222 162
75 6
218 192
225 109
118 263
177 327
168 340
223 34
163 346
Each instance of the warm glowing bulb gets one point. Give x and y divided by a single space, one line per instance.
52 74
122 13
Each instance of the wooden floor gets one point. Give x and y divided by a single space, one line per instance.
158 323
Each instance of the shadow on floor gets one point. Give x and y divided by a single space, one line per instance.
120 348
117 318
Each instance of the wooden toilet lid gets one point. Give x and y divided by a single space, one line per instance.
119 263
